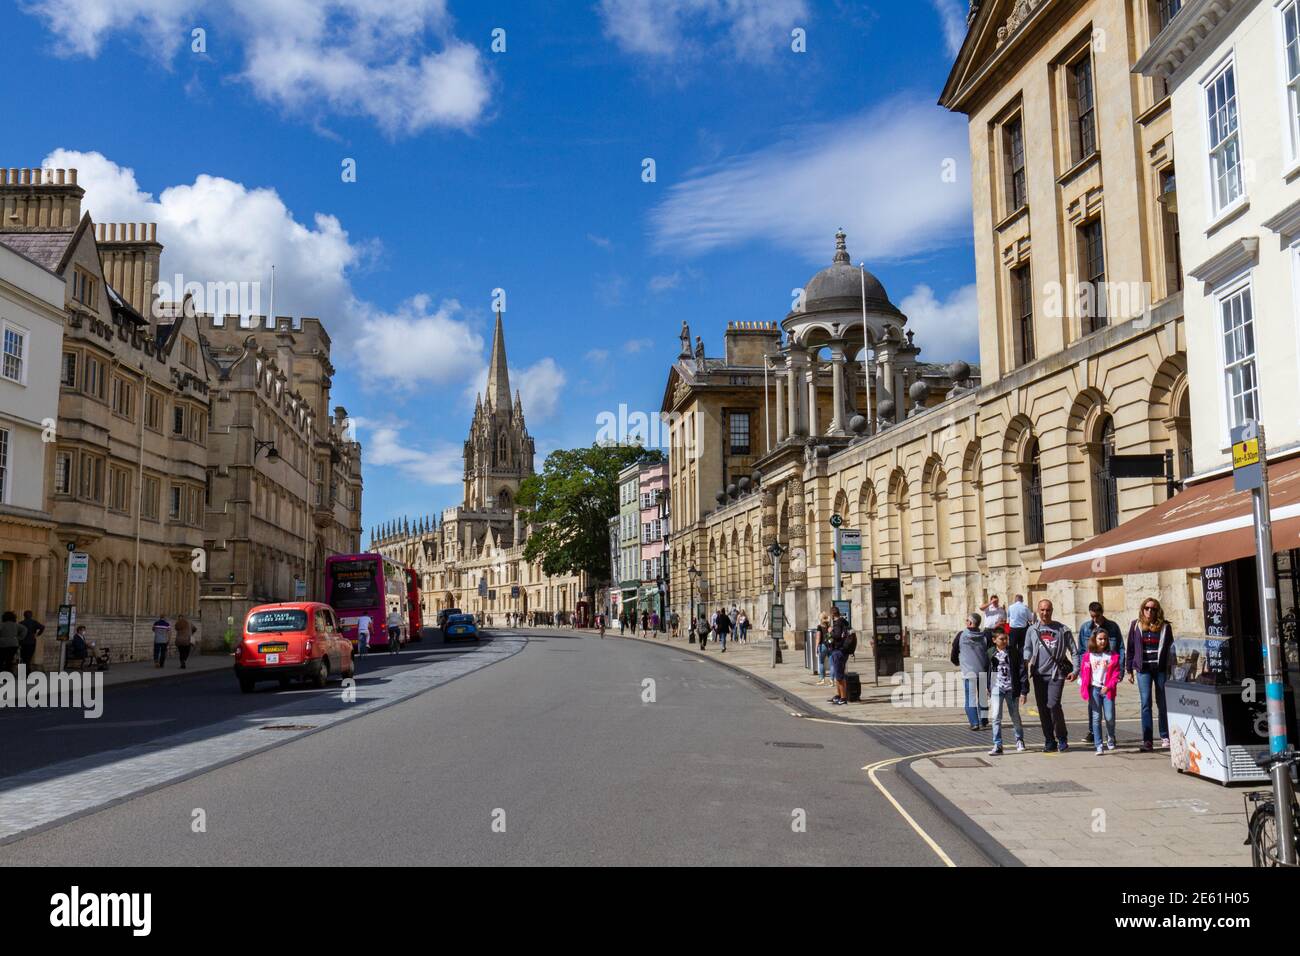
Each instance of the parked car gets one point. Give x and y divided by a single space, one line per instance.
298 639
461 627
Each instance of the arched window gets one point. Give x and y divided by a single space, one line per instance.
1105 491
942 517
1032 471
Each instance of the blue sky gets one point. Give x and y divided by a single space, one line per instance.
520 170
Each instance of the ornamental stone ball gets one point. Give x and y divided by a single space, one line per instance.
918 392
858 425
959 372
886 409
744 485
731 490
721 496
757 478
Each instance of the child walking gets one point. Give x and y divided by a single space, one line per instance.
1098 683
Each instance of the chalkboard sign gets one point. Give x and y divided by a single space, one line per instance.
887 605
1214 589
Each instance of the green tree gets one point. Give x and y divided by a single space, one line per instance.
570 503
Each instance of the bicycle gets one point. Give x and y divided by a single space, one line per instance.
1262 822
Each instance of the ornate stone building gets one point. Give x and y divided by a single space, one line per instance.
284 477
125 474
471 557
967 481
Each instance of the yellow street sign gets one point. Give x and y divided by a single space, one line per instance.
1245 453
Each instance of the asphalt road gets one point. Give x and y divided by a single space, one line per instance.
551 756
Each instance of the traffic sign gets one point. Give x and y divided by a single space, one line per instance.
836 521
1247 469
851 550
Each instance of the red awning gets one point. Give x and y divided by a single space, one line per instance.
1205 524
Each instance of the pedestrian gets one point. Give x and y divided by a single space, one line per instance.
1049 656
645 621
162 632
823 647
78 649
395 631
622 623
1019 617
1150 657
842 645
9 639
184 639
1099 676
656 623
1008 689
995 615
1098 623
724 627
364 626
31 629
674 624
970 652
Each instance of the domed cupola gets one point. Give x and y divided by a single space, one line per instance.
839 287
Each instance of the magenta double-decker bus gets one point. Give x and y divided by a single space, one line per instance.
357 584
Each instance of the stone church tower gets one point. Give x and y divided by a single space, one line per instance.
499 450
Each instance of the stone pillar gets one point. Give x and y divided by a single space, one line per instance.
796 583
885 389
782 431
837 391
24 593
812 397
792 396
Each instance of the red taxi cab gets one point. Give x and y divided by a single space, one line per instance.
294 639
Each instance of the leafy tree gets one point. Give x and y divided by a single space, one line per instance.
570 503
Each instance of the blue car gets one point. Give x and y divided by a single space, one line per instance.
461 627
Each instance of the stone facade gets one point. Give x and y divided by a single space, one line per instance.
967 479
284 480
125 475
472 556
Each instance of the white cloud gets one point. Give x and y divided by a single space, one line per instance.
603 241
371 58
953 17
668 29
218 230
598 355
881 175
439 463
666 282
540 386
632 346
418 347
947 329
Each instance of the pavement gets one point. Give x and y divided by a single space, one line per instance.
569 750
1072 809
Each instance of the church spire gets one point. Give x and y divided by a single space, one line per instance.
498 383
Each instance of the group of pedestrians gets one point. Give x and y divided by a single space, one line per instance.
1011 658
18 638
162 635
719 625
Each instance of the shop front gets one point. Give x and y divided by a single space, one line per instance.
1215 690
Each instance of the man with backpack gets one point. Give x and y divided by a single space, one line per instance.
722 627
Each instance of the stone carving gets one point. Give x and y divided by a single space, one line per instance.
1019 14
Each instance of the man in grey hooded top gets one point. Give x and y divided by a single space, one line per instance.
1049 657
970 652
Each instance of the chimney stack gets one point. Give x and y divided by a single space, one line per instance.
39 200
130 254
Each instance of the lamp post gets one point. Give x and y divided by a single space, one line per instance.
776 625
694 572
665 582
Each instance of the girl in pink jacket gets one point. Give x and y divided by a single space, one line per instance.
1098 681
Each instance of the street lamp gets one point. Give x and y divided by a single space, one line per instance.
694 572
268 446
776 626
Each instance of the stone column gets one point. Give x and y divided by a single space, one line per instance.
781 429
812 396
24 593
792 394
885 388
837 391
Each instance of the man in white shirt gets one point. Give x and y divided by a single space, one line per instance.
364 627
995 615
1019 617
394 632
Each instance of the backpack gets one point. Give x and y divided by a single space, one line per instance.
850 644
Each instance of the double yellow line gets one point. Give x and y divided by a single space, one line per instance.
871 770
